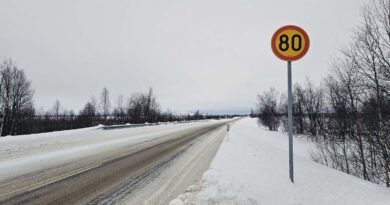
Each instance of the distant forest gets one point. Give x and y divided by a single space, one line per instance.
348 115
19 116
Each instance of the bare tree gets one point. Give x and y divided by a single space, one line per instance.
120 110
15 96
143 107
87 114
308 108
151 108
268 109
56 109
372 58
88 110
134 108
313 103
105 103
299 120
357 136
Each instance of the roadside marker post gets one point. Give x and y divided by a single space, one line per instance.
290 43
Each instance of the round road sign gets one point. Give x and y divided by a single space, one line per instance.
290 43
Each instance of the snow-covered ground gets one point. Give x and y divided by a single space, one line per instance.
251 168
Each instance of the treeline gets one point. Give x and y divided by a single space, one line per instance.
18 115
348 115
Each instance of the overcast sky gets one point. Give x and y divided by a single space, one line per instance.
212 55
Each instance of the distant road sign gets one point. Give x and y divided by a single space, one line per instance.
290 43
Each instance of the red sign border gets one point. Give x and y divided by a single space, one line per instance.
290 27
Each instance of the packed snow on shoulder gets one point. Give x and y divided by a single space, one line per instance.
251 168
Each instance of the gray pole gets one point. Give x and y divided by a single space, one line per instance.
290 134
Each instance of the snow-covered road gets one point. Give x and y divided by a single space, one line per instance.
134 165
251 168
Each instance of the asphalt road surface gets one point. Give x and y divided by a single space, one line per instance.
131 166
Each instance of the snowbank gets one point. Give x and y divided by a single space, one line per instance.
251 168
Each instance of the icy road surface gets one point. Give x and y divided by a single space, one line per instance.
145 165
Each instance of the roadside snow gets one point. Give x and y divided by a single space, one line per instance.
251 168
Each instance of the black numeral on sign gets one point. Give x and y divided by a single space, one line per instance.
296 42
283 45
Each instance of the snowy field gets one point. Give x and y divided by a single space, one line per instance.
251 168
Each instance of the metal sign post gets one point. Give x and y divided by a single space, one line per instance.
290 125
290 43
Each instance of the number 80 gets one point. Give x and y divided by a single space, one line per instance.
296 42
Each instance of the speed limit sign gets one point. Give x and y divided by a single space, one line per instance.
290 43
